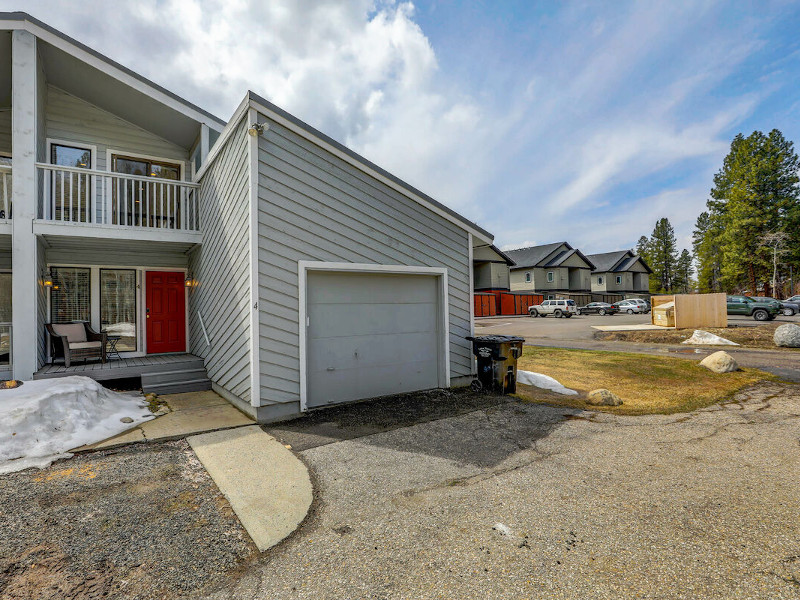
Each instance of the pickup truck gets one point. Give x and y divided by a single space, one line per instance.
557 308
760 311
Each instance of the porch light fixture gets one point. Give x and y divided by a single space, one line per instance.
188 282
47 279
257 129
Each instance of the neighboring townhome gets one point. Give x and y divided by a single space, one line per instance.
491 269
621 272
550 270
258 256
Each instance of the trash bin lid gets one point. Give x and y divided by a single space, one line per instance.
495 339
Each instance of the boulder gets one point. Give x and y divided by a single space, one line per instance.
787 336
603 397
720 362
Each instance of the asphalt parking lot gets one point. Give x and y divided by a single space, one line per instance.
579 327
514 500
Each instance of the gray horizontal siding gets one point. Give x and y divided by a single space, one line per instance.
315 206
72 119
221 266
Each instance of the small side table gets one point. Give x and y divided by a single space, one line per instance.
112 351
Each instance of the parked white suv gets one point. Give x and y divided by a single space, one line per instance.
557 308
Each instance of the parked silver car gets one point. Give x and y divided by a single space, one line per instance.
629 306
557 308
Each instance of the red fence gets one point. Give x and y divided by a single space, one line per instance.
485 305
489 304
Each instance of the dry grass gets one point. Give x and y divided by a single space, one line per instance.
646 384
760 336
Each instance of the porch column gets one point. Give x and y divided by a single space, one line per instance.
25 334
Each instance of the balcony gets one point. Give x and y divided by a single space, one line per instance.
5 192
86 197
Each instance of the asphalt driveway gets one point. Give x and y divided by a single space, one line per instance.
493 498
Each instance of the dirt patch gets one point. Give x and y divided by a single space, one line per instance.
759 336
144 521
647 384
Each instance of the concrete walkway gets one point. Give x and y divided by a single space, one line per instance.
268 487
184 414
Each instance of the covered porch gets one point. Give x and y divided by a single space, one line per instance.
159 373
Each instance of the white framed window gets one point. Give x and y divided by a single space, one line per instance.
70 193
619 279
528 277
551 276
599 281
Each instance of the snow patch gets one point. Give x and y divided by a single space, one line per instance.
703 337
543 381
42 420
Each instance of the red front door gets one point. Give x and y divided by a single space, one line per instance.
166 312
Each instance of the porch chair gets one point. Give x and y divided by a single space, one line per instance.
72 341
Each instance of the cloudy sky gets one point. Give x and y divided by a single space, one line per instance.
541 121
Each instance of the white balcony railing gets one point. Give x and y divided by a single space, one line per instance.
73 195
5 192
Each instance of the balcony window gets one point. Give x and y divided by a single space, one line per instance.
146 204
70 193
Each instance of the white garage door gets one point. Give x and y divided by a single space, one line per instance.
370 335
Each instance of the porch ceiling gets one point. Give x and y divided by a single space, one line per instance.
104 91
115 252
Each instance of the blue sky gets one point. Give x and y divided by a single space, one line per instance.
542 121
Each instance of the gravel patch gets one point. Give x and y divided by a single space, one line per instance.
515 500
143 521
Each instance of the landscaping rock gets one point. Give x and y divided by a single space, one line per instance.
720 362
787 336
603 397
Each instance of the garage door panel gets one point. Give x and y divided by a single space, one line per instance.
369 335
343 320
338 386
371 351
348 288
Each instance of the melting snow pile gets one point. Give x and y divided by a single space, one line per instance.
42 420
703 337
544 382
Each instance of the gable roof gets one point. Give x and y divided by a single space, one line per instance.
560 259
534 256
616 262
267 108
52 35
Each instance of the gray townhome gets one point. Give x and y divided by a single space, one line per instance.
256 256
550 269
621 272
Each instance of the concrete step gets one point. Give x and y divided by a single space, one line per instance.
177 387
172 376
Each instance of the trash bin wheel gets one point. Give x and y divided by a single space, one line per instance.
476 386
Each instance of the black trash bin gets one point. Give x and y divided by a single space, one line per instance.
497 362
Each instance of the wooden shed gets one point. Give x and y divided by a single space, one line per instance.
692 311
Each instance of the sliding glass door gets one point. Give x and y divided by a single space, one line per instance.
5 319
118 306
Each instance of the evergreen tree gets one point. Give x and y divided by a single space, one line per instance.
663 255
683 273
755 193
705 243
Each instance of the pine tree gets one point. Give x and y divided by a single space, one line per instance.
683 273
705 243
663 255
754 194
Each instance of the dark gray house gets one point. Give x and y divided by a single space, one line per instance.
621 272
550 269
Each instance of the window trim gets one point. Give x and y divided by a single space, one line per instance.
527 277
619 280
599 280
52 289
136 300
551 276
